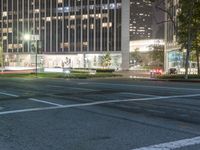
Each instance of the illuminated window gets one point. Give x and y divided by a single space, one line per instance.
4 30
5 37
48 19
10 46
5 14
107 24
72 17
37 11
60 1
65 45
85 43
92 26
98 15
10 30
85 17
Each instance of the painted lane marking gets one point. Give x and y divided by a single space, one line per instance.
8 94
95 103
146 86
129 100
173 145
45 102
128 93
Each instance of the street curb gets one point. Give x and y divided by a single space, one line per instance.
169 80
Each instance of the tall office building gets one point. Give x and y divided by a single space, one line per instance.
72 33
141 20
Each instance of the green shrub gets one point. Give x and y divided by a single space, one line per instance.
105 70
76 75
178 76
79 71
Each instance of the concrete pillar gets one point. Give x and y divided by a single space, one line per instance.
125 34
165 40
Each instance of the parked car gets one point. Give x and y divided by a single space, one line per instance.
172 71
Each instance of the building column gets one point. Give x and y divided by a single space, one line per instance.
125 34
166 61
45 27
165 47
63 26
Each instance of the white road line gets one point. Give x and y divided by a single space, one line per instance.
8 94
173 145
58 106
45 102
128 93
129 100
145 86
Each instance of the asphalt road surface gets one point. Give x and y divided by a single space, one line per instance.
117 114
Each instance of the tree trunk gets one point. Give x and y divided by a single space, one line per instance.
187 62
189 42
198 64
189 45
1 57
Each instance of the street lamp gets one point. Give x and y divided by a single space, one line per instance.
35 39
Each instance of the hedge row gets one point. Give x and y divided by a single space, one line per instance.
105 70
178 77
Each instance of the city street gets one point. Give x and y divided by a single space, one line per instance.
98 114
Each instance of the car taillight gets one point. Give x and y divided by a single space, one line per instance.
160 71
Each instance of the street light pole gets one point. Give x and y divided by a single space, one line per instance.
36 52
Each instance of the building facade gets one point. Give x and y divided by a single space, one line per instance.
141 20
72 33
174 58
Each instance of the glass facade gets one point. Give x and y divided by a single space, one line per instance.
175 59
64 26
